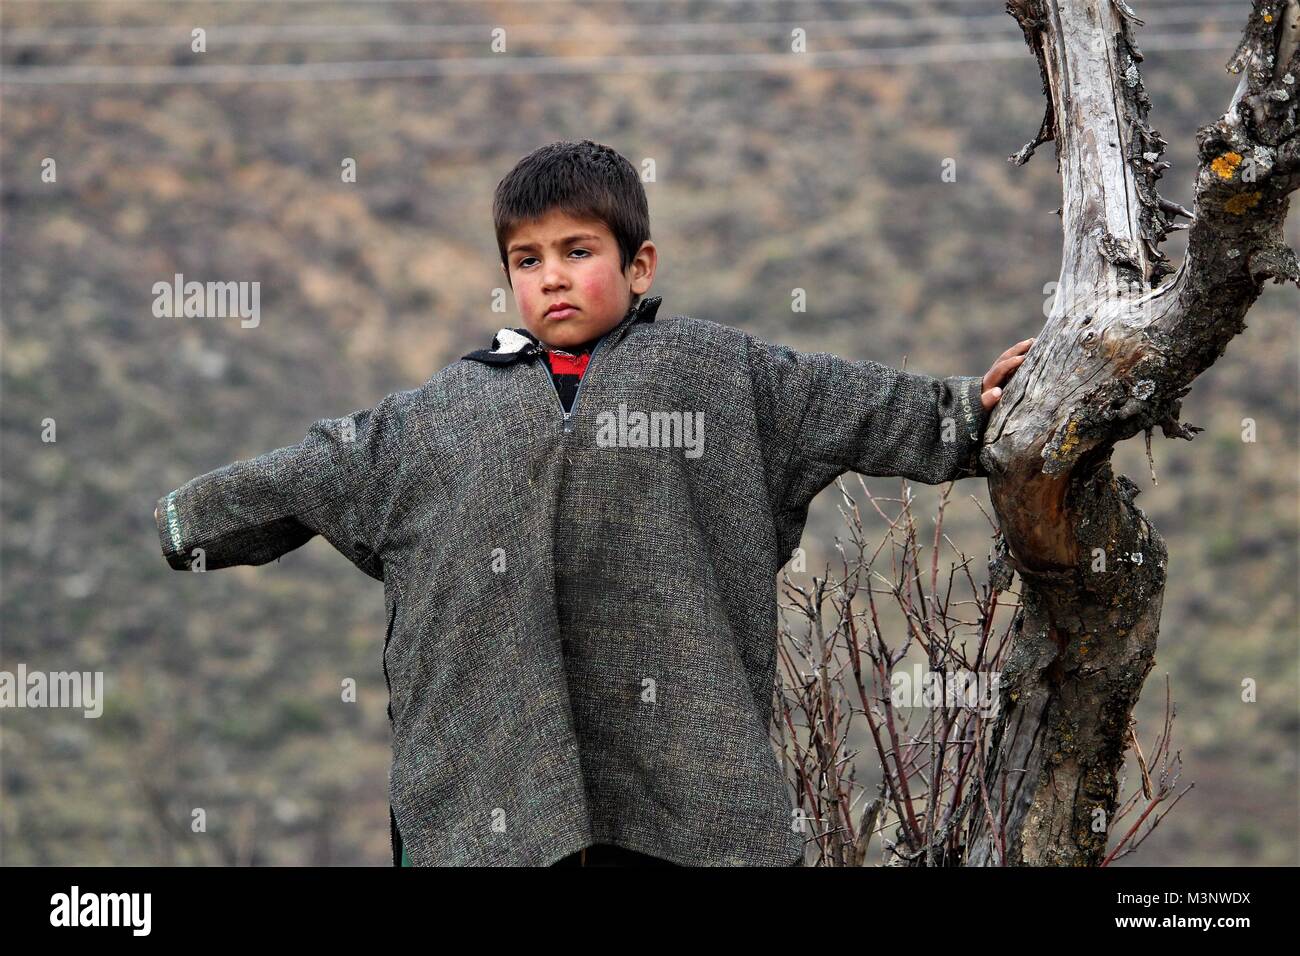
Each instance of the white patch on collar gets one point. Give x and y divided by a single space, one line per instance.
508 341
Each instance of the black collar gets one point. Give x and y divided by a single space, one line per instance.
515 345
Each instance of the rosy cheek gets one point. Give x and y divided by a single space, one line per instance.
525 298
594 289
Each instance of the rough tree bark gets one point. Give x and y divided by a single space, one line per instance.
1125 339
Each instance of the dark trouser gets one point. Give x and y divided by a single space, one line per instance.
599 854
606 854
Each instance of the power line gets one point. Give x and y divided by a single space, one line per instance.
563 65
353 3
459 32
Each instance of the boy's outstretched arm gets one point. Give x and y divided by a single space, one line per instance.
823 415
336 482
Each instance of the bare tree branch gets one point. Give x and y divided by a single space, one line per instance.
1126 337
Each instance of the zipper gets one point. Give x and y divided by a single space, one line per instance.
586 375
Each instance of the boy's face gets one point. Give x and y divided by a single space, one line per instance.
560 259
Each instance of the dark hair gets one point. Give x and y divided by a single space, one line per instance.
585 180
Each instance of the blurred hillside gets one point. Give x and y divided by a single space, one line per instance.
223 688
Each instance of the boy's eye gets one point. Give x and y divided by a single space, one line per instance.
523 263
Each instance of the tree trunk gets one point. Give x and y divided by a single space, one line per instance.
1125 339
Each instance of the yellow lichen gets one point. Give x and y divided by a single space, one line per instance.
1268 18
1071 439
1241 202
1226 165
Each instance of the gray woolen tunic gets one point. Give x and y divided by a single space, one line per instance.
581 639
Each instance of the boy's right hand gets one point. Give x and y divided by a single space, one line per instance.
1003 368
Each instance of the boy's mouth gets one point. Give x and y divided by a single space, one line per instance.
561 310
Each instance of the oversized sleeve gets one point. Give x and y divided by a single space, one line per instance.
821 415
337 482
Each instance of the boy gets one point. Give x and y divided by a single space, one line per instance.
581 608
